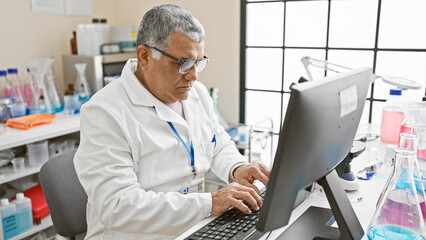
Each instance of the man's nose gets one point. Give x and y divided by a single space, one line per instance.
192 75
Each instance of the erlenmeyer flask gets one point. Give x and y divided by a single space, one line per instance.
18 101
398 215
53 94
41 102
82 87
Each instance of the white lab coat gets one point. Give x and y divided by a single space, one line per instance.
133 167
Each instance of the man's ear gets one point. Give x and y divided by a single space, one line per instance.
143 54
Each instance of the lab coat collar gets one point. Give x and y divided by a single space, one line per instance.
139 95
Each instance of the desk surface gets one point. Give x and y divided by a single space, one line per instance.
369 191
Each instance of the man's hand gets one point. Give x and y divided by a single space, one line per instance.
246 174
232 195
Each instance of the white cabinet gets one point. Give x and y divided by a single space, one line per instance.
11 138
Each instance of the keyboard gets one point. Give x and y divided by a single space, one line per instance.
233 224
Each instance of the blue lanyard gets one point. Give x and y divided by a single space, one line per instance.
191 153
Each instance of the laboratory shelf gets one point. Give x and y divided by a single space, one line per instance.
7 174
62 125
45 223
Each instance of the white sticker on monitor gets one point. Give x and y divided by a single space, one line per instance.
348 101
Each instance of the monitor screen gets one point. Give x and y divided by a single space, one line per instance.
318 131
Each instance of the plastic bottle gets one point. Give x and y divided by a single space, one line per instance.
25 215
9 219
392 117
17 96
3 83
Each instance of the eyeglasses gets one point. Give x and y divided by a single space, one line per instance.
186 64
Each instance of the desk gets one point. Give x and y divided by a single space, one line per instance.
369 190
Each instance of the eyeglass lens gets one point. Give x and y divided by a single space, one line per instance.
188 64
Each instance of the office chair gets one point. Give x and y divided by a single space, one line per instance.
65 197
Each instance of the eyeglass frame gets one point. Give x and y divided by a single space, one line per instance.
182 60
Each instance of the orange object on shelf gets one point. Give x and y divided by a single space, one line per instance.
27 122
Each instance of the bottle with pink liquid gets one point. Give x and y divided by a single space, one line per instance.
3 83
392 117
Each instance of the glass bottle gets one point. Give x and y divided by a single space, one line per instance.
3 84
18 100
392 117
398 214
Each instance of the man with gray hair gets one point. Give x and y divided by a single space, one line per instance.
148 138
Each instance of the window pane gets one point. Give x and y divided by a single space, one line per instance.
306 24
365 113
351 59
377 112
261 105
286 99
264 68
353 23
293 67
409 65
265 24
403 24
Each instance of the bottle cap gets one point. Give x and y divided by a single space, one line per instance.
95 20
12 70
4 201
103 20
395 92
19 196
3 73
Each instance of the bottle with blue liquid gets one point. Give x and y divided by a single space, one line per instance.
24 212
398 214
9 219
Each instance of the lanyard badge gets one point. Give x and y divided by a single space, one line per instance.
190 152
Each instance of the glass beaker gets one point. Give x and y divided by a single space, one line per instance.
398 214
41 102
416 115
82 87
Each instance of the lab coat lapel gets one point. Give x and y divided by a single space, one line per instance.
191 108
139 95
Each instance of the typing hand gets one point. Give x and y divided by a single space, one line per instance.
232 195
246 174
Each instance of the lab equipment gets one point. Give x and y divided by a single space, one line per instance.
399 211
6 109
82 87
29 90
54 95
24 212
416 116
90 37
9 219
71 104
213 93
40 102
396 81
17 96
392 117
38 153
18 164
27 122
5 87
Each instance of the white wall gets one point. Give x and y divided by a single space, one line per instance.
24 34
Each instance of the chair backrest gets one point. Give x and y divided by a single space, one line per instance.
65 197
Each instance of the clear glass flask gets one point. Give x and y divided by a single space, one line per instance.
398 215
82 87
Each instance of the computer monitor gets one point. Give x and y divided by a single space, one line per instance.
318 131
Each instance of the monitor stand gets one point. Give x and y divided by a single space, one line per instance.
313 223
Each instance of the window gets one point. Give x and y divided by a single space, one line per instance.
389 36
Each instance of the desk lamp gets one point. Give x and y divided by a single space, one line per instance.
392 80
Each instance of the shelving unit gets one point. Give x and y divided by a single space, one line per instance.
11 138
45 223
